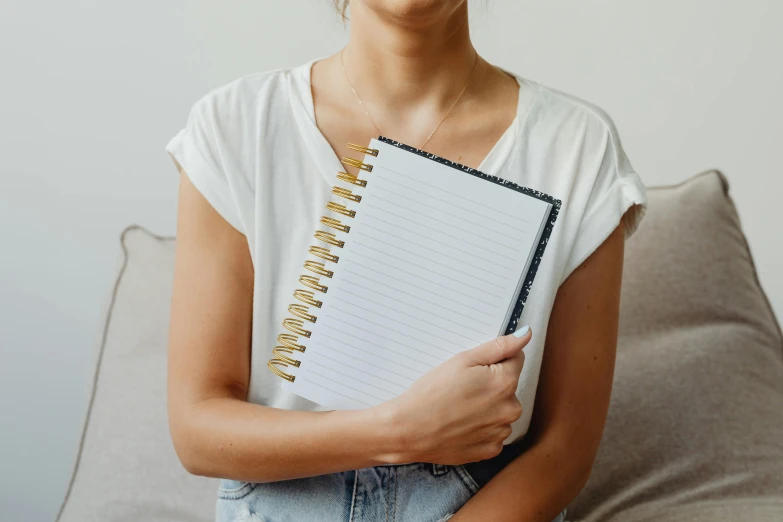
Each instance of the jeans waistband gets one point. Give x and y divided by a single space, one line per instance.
483 470
439 469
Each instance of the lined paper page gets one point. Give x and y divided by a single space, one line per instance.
432 265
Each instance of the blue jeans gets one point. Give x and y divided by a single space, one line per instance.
407 493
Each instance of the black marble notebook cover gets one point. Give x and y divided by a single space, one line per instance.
539 254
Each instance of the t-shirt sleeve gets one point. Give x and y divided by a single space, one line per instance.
617 195
199 150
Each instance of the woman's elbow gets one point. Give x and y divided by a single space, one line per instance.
192 463
582 475
577 461
189 447
581 469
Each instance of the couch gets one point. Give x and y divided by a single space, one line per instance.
695 427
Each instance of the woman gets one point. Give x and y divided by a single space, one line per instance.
258 157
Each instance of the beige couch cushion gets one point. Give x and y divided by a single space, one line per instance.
127 469
695 429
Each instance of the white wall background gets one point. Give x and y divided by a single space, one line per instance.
92 91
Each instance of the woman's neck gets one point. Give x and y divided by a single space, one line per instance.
404 60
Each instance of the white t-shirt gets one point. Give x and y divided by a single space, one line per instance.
253 149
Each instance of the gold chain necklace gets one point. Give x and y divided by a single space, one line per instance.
358 99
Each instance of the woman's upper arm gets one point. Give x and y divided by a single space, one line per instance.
211 313
576 375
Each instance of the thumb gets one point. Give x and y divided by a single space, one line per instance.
500 348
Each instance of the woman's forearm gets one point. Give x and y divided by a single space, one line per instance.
234 439
572 398
535 487
215 431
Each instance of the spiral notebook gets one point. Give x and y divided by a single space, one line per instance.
418 259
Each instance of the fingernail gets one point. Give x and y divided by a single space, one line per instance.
522 332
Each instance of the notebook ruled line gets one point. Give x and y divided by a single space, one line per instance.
417 254
482 290
452 225
421 181
320 356
422 299
386 274
422 257
409 315
429 312
374 355
460 239
382 337
343 385
364 319
428 239
461 218
450 203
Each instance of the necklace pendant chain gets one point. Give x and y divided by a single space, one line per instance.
377 129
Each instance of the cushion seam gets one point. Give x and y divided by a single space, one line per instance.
99 359
756 279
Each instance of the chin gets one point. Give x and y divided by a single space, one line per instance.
414 11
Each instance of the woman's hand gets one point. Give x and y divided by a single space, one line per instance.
462 410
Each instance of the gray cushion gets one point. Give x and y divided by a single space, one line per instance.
695 428
127 469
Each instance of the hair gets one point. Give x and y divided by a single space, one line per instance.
342 7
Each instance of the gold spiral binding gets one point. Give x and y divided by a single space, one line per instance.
329 238
273 365
307 297
365 150
318 268
314 283
335 223
350 178
296 326
288 343
345 193
352 162
280 354
324 253
340 209
301 312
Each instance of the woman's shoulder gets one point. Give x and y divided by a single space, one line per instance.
564 111
590 153
268 90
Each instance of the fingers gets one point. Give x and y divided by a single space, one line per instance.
485 449
513 365
500 349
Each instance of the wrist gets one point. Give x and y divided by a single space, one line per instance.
394 446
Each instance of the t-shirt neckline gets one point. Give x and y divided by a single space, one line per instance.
329 163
